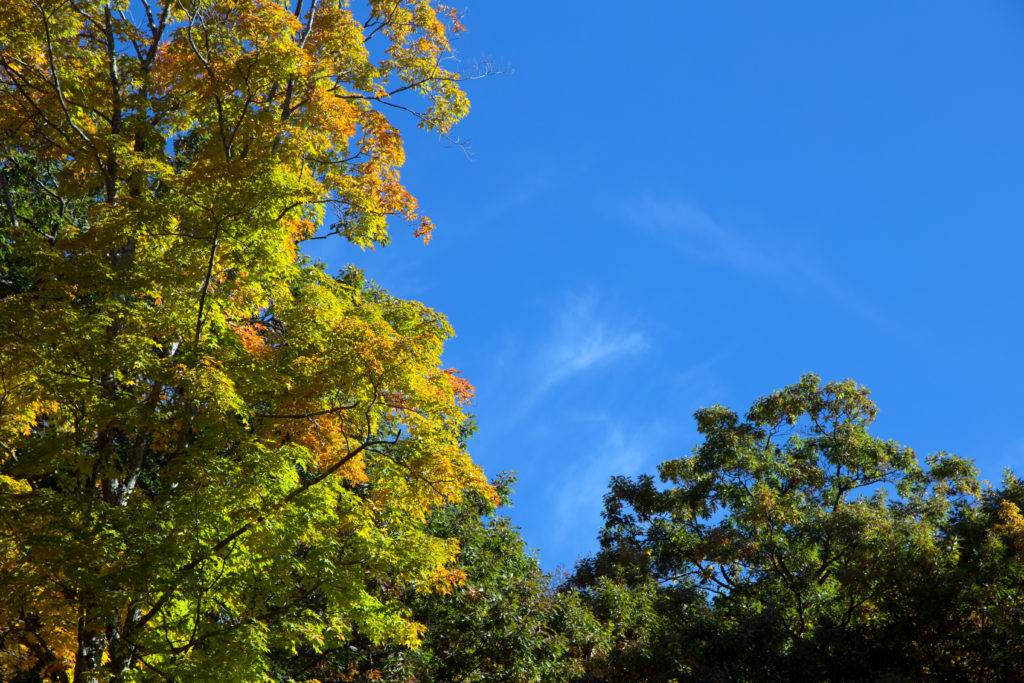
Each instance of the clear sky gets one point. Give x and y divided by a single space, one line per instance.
680 203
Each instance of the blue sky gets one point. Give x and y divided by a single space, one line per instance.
676 204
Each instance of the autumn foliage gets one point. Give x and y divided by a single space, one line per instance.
220 462
210 449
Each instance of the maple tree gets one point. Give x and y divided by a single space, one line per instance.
210 449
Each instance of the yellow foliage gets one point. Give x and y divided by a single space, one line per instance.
1011 526
189 408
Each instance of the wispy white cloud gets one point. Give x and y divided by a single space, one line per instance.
579 495
583 340
693 232
498 204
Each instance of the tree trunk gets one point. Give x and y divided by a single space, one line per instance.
89 657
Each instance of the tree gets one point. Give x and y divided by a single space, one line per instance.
209 448
776 550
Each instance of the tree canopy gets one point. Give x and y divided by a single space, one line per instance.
795 545
210 449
